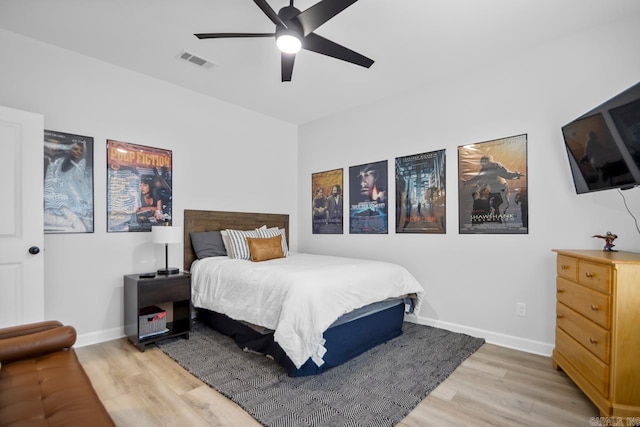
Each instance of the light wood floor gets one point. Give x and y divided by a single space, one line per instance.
494 387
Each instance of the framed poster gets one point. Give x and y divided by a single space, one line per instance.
68 183
327 202
420 193
492 187
139 187
368 212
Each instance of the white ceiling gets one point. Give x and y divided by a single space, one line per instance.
413 43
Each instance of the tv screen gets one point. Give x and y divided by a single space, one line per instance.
603 145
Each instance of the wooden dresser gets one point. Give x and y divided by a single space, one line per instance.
598 327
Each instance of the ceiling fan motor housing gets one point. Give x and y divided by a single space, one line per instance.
288 12
288 15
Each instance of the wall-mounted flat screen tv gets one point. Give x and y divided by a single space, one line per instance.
603 145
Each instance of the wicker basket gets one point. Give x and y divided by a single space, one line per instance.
152 321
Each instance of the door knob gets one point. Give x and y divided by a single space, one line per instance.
33 250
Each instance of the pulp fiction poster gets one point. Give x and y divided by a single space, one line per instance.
139 187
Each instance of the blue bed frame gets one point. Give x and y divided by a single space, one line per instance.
343 341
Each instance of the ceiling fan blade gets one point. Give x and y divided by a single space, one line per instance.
319 44
230 35
320 13
271 14
287 60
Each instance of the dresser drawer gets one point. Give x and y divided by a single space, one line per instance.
593 305
592 337
591 368
595 276
567 267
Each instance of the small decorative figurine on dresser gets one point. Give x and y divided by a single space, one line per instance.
608 241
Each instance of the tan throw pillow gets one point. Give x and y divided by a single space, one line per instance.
262 249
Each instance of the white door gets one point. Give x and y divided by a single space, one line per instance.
21 217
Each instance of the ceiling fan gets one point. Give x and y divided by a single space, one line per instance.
295 31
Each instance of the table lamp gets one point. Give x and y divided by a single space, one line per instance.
166 234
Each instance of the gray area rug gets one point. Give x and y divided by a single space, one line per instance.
378 388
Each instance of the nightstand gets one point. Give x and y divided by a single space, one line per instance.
141 293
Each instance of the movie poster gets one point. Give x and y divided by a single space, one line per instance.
368 211
139 188
420 193
327 203
492 187
68 183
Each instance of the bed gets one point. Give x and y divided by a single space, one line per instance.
310 321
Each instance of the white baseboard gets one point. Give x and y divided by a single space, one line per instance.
99 336
509 341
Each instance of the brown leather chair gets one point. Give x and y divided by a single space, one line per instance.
42 382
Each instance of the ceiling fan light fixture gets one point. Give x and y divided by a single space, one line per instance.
288 42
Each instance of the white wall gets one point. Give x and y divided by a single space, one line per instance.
218 153
473 282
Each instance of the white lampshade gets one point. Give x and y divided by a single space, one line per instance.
166 234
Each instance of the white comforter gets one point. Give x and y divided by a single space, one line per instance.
299 296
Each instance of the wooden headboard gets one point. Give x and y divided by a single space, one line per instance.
218 220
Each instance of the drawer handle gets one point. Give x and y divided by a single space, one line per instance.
560 316
594 307
564 267
589 275
593 341
560 291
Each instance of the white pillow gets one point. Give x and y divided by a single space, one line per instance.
272 232
238 243
227 243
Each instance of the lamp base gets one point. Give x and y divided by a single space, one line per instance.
170 270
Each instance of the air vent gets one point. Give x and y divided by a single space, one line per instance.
195 60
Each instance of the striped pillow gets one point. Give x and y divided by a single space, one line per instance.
239 245
272 232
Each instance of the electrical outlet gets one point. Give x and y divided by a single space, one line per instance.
521 309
